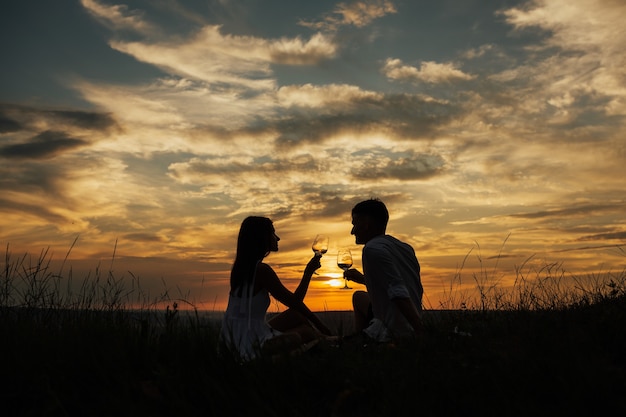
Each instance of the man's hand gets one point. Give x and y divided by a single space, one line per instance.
354 275
409 311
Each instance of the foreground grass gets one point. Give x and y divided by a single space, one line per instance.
89 355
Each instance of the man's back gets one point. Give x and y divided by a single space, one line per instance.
391 271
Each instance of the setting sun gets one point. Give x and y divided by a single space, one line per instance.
335 282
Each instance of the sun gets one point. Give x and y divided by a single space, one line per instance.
335 282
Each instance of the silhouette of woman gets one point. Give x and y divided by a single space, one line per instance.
245 331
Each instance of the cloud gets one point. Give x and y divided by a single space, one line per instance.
321 113
19 117
145 237
40 133
26 181
330 96
208 56
8 125
582 210
380 164
205 64
118 17
296 52
218 168
44 145
30 213
583 47
235 62
356 13
429 72
618 235
481 51
583 24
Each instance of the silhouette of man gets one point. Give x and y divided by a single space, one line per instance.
390 309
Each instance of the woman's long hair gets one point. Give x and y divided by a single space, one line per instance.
253 244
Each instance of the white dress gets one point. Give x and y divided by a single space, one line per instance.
244 326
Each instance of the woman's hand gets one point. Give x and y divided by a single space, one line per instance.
313 265
310 268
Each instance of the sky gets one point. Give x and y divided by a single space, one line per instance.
136 136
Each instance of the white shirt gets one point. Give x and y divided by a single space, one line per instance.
391 271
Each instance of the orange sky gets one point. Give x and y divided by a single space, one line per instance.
449 278
493 132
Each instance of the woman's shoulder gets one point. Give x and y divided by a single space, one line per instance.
263 270
262 266
265 277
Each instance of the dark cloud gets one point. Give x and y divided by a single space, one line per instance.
572 211
504 256
9 125
33 210
116 225
13 116
32 178
588 248
400 115
45 145
620 235
338 203
325 204
281 213
83 119
399 165
144 237
265 163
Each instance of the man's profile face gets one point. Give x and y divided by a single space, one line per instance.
360 228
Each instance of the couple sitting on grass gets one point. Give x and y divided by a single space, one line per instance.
389 310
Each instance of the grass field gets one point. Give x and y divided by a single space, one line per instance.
87 354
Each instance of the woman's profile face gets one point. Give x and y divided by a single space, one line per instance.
274 241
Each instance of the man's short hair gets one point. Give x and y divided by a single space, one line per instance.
375 209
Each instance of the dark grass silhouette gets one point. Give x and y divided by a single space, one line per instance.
85 353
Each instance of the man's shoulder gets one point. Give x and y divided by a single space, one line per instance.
387 243
379 244
375 243
384 241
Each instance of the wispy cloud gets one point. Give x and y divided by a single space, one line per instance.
356 13
577 210
620 235
589 40
118 17
428 72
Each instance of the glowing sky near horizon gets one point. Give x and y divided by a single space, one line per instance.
152 128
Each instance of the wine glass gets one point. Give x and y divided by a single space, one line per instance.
320 245
344 261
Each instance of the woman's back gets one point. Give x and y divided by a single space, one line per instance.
244 327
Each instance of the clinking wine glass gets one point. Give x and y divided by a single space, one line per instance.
344 261
320 246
